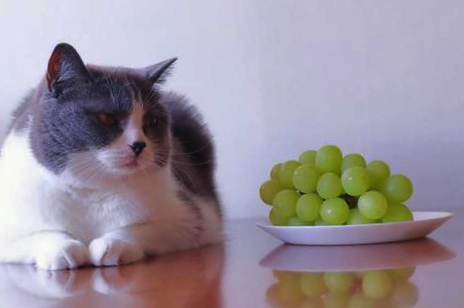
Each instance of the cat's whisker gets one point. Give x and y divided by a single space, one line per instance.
182 173
92 174
191 164
179 176
193 152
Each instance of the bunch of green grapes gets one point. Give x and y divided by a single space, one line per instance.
324 187
368 289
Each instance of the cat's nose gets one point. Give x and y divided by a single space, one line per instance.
138 147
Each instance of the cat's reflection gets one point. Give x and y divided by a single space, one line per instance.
365 289
186 279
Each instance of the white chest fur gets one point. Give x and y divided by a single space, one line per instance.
34 199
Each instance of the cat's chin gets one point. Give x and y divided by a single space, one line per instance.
131 168
125 170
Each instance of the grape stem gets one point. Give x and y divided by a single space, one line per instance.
352 201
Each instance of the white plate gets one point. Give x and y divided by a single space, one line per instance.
424 223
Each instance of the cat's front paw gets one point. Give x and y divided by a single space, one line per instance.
68 254
112 252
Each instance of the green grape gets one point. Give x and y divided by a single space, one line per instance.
269 190
305 178
329 159
276 218
283 296
285 275
353 160
378 171
286 171
329 186
335 300
311 302
360 274
297 222
320 223
285 202
272 296
308 207
405 294
355 181
398 187
275 172
312 284
397 212
385 303
377 284
372 205
308 157
338 282
361 301
335 211
356 218
403 274
289 291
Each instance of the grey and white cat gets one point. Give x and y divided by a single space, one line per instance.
102 167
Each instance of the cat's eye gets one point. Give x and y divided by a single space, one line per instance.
106 119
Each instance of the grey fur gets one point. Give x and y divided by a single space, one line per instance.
61 114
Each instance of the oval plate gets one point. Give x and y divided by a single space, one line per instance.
424 223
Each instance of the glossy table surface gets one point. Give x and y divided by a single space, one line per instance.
247 272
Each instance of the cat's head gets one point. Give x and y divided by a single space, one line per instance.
97 122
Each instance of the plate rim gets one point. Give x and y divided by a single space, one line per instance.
445 215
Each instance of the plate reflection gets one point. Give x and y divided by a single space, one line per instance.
367 276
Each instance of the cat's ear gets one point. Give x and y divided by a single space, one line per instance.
64 66
158 72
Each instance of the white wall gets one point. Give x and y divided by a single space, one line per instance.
384 78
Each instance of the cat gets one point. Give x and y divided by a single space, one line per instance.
102 167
